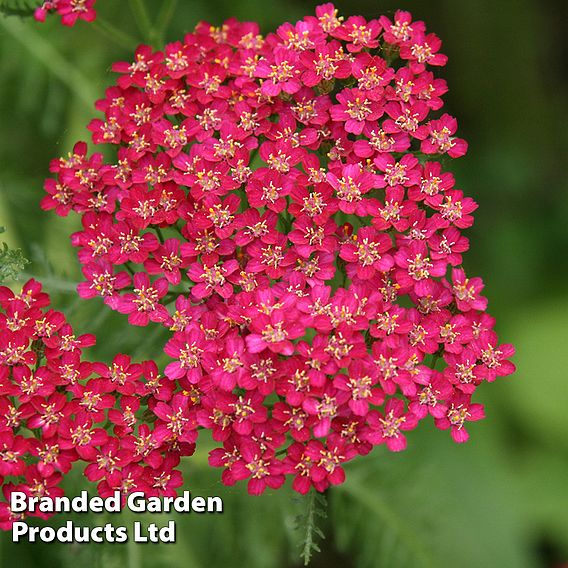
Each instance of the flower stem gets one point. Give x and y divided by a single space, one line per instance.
54 62
160 234
142 19
164 18
114 34
129 268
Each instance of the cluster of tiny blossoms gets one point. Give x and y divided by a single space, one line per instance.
279 204
56 409
69 10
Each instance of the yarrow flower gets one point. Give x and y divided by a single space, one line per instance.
70 11
281 205
56 408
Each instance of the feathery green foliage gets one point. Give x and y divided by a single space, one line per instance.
20 8
315 505
12 262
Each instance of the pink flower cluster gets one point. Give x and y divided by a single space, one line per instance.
69 10
56 409
279 204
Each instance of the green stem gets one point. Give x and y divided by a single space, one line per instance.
160 234
287 220
164 18
45 53
54 283
142 19
114 34
128 267
253 155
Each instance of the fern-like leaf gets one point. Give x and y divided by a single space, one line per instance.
12 262
315 509
20 8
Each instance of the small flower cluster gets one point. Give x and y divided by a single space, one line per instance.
279 204
56 409
69 10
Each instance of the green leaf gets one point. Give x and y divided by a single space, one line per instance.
20 8
12 262
315 506
45 52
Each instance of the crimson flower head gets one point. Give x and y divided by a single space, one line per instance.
282 206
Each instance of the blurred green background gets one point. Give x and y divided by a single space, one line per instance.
499 501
